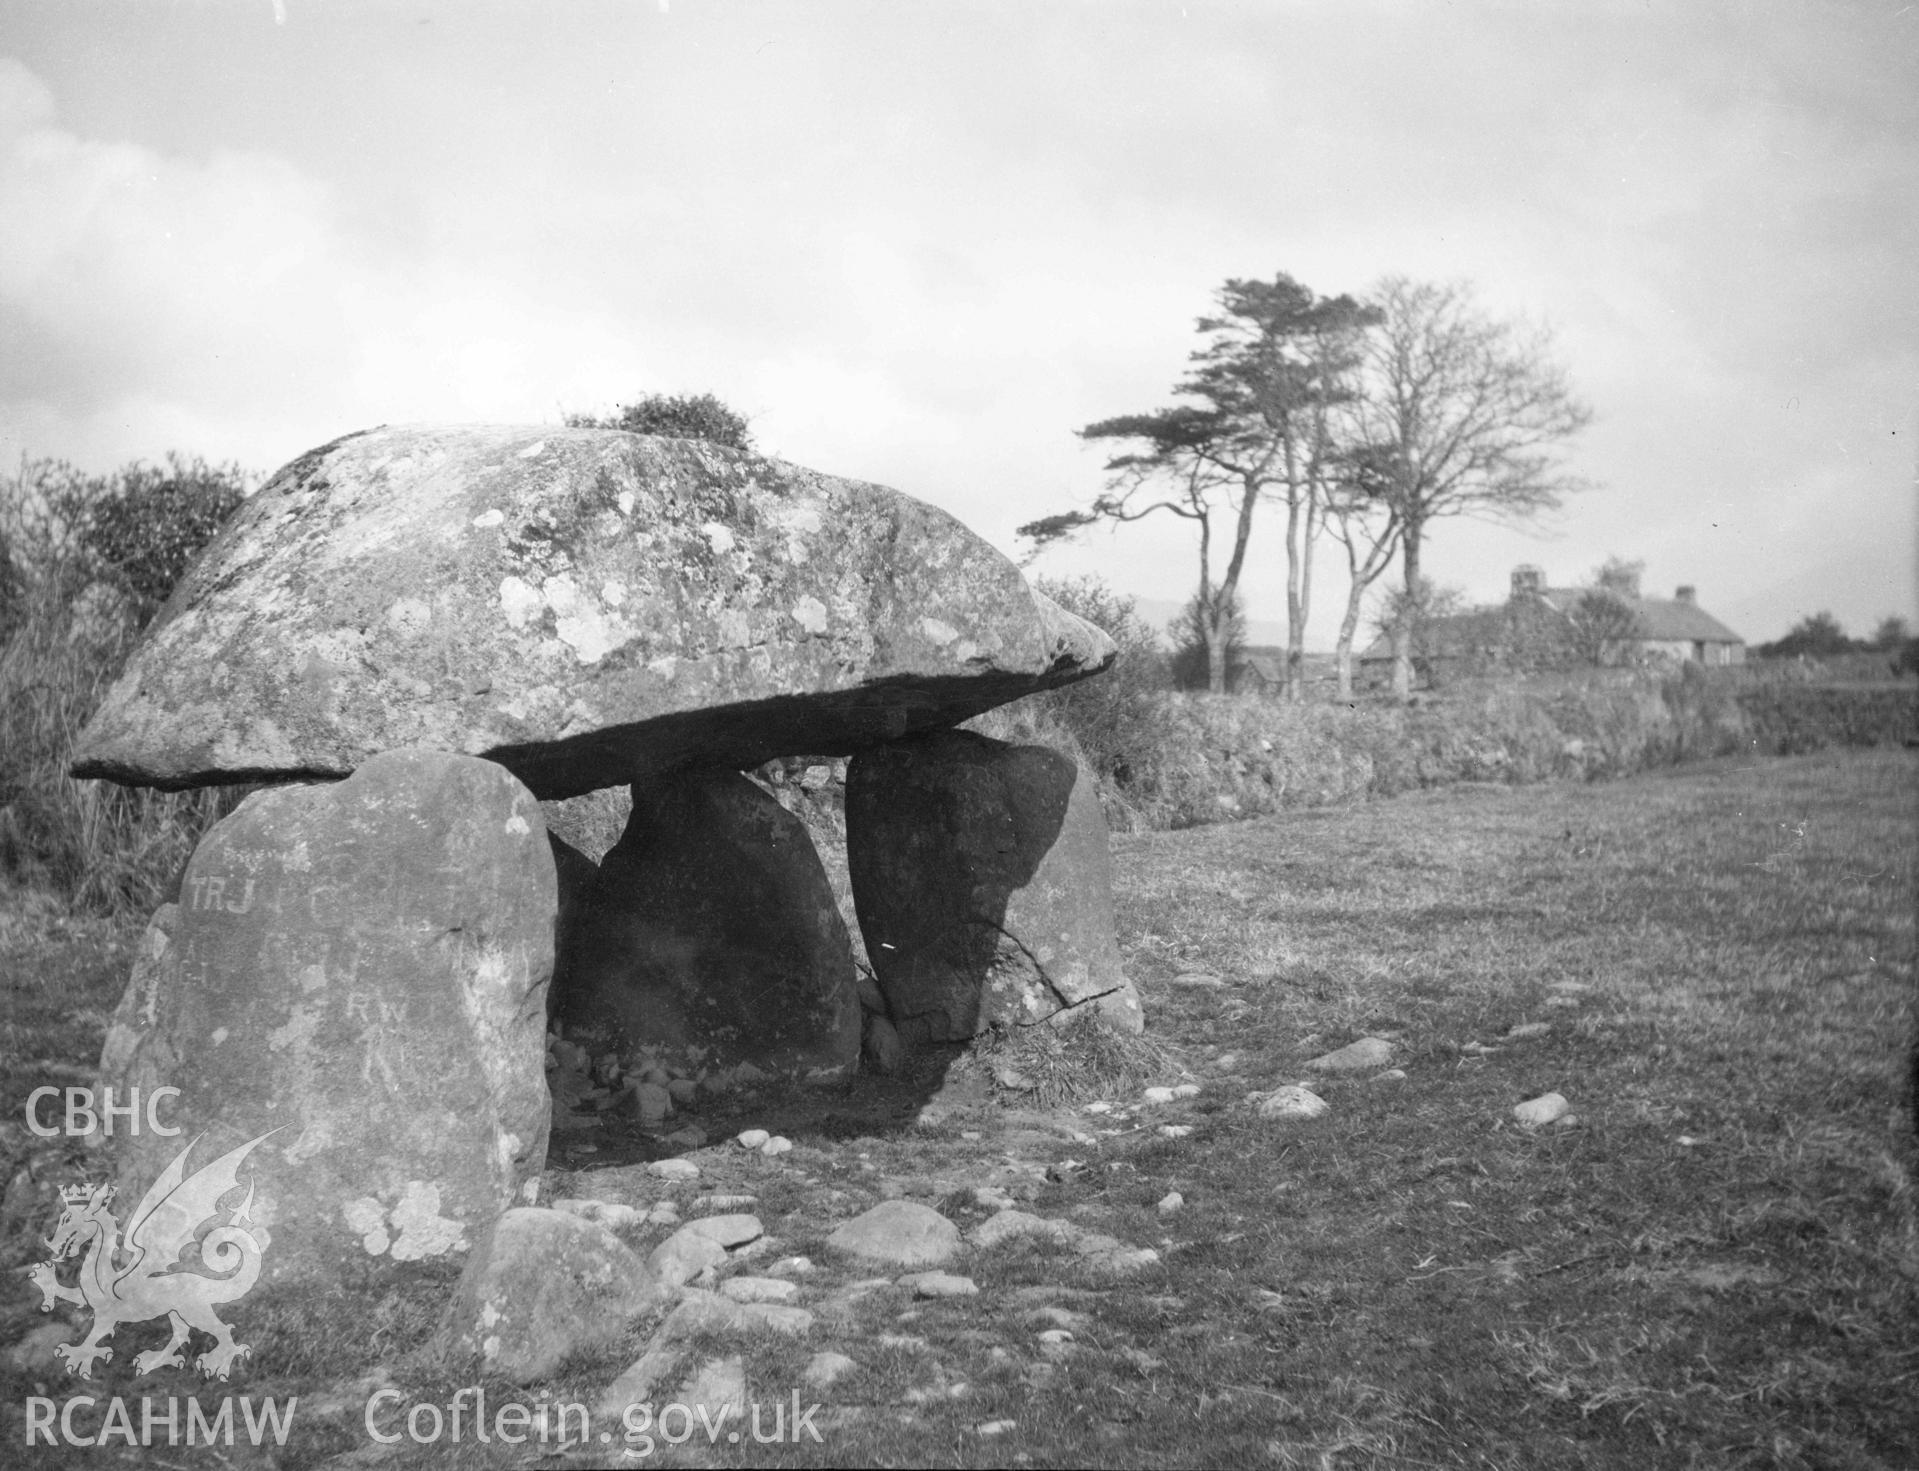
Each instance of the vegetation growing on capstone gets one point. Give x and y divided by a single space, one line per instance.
678 416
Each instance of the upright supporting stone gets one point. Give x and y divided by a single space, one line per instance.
711 938
983 885
576 874
355 977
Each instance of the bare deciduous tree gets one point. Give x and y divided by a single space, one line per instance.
1366 524
1460 414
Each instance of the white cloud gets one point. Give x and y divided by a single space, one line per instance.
223 305
922 245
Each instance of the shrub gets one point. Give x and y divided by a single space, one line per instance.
89 560
144 524
1818 634
1114 723
697 416
105 846
1115 716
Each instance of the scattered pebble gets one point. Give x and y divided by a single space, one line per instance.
759 1289
779 1144
729 1230
1528 1029
972 1136
753 1138
1098 1106
1541 1110
791 1266
1123 1261
1175 1131
1391 1075
673 1169
1199 980
1186 1090
939 1284
725 1202
992 1197
1170 1202
1367 1052
991 1428
1290 1102
685 1256
691 1137
827 1366
1226 1061
901 1232
1159 1095
610 1214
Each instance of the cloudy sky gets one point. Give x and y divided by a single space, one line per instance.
922 243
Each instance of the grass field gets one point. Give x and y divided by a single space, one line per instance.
1717 1266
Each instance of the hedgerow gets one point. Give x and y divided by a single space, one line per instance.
1200 758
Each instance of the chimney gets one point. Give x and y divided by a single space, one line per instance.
1686 593
1528 581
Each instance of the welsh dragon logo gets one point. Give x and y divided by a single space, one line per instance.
182 1254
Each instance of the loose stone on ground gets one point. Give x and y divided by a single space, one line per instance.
1367 1052
1289 1102
939 1284
901 1232
541 1284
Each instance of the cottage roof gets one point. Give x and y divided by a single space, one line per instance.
1661 620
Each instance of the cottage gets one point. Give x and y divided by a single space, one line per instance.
1678 628
1541 626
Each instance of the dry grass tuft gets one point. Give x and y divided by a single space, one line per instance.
1074 1061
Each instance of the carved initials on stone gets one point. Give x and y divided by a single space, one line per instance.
210 893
